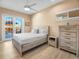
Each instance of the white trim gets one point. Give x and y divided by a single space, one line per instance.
65 11
3 29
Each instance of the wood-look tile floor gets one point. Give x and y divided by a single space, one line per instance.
7 51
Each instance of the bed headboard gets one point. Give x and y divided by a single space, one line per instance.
42 29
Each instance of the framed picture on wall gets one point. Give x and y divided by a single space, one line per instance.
27 23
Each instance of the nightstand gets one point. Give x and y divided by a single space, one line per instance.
52 41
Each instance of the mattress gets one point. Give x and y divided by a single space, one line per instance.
24 38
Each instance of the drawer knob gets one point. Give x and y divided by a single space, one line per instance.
67 38
67 34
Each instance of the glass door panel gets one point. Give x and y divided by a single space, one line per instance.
8 27
18 25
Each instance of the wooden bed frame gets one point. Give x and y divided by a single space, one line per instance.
27 46
21 47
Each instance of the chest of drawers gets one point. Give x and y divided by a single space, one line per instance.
68 38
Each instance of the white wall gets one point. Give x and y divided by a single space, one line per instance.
48 17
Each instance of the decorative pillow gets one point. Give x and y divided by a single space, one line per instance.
44 31
35 31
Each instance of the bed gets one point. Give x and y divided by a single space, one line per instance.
25 41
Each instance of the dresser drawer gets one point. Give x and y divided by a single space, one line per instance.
68 49
69 39
72 29
69 34
69 44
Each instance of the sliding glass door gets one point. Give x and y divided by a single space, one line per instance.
11 25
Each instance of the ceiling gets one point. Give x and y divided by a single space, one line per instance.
18 5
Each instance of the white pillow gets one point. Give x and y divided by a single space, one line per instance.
44 31
34 30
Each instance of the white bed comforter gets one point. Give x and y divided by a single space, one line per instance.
24 38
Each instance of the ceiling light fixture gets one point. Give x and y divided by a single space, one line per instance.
27 9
